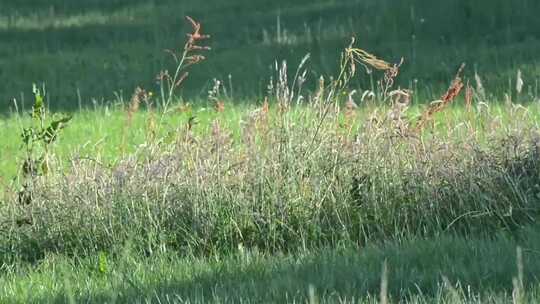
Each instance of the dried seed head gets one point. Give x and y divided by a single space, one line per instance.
519 82
195 36
469 94
266 106
181 79
219 106
439 105
350 105
163 75
194 59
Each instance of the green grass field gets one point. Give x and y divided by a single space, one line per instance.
102 49
476 271
315 181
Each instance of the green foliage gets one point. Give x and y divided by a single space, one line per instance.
286 181
103 265
37 140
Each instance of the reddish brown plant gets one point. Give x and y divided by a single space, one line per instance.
439 105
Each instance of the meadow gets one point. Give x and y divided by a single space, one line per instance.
101 50
276 160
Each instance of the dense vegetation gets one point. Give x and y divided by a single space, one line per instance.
342 178
448 270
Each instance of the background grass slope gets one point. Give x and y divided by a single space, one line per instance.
91 49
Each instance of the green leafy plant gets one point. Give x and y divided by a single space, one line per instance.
37 141
103 265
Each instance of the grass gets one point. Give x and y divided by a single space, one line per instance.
288 178
327 189
476 270
89 51
101 130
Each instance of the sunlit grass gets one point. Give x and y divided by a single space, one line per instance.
49 19
100 131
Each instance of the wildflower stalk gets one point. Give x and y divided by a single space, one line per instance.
185 60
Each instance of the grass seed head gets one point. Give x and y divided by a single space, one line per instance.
439 105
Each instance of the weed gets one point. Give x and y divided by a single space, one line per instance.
184 58
37 140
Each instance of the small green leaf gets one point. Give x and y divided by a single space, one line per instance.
51 133
44 166
28 135
192 121
37 109
102 263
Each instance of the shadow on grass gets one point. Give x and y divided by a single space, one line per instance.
415 268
